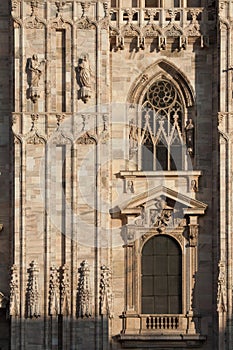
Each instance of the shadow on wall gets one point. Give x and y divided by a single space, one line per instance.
5 164
61 333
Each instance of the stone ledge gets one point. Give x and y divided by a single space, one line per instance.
161 341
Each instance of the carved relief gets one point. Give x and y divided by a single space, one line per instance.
65 291
60 4
161 220
86 139
34 70
105 292
33 137
33 295
221 296
104 135
54 292
14 292
34 22
85 23
193 235
141 220
14 5
85 7
128 234
84 308
129 186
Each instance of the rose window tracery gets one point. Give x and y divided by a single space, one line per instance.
161 125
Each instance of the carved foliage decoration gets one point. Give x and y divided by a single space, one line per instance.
86 139
84 291
33 295
54 292
14 292
105 291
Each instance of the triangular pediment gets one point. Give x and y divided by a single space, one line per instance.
171 197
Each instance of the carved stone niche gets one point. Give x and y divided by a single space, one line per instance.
162 212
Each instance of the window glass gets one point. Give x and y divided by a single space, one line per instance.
161 276
194 3
151 3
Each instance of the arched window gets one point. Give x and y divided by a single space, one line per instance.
162 128
161 276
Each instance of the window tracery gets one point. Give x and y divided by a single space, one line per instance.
162 127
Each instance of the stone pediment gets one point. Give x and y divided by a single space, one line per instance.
160 197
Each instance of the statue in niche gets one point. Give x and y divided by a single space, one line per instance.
34 71
84 77
189 130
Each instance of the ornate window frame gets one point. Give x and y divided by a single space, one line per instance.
177 217
160 71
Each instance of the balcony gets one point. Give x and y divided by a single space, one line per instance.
157 331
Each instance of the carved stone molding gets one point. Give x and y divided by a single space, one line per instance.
105 292
14 292
33 294
84 302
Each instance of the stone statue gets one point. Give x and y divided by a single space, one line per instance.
34 72
35 69
84 75
189 129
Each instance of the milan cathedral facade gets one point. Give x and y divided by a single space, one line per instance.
116 134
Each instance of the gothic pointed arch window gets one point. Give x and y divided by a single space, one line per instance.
162 123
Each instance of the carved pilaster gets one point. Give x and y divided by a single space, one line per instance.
84 307
54 292
14 292
221 297
65 291
33 295
105 292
